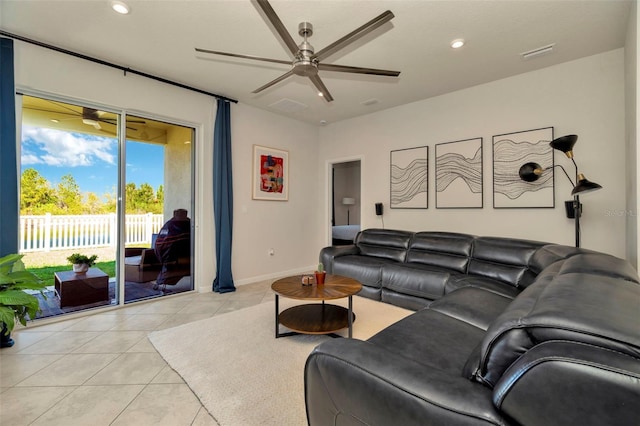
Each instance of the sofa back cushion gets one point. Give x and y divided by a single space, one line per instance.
442 249
504 259
384 243
598 309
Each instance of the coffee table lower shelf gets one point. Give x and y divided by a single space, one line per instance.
314 318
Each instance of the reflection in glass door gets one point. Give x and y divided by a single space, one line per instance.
68 201
158 205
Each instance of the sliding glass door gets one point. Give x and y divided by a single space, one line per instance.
158 204
99 183
68 201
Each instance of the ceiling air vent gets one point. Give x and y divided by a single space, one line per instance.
544 50
288 106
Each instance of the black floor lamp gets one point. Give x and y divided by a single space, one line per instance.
348 201
530 172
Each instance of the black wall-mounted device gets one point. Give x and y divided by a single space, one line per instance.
378 209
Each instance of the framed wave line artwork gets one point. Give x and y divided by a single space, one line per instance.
510 152
270 179
459 174
409 178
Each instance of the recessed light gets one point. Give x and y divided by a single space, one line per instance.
120 7
320 94
457 43
55 120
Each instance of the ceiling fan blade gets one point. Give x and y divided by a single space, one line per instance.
357 70
271 83
279 26
315 79
354 35
236 55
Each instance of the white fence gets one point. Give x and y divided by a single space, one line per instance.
52 232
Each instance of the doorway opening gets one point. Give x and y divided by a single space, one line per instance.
345 201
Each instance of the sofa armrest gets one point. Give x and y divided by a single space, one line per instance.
149 257
348 379
581 384
327 255
133 251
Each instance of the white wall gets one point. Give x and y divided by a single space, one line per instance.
632 69
288 227
583 97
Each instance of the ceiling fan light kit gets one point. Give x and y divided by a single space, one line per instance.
306 62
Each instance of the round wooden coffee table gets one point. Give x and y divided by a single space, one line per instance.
315 318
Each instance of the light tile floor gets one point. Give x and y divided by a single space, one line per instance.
102 370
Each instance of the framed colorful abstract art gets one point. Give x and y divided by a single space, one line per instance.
270 174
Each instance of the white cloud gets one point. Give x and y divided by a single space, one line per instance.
28 158
63 149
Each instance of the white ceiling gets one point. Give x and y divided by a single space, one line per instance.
159 37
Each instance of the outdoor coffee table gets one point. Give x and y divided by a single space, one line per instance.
315 318
82 289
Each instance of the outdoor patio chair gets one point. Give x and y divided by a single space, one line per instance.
141 265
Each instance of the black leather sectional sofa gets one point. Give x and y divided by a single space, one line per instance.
506 332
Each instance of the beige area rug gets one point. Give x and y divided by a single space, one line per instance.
242 374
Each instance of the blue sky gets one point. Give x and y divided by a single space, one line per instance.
91 160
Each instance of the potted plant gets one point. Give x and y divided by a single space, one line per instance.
15 303
320 274
81 263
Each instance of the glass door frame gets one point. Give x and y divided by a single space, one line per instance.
120 187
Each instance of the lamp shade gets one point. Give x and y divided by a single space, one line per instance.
347 201
565 144
584 186
530 172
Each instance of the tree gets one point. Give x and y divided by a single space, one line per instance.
160 195
145 195
37 197
69 196
36 194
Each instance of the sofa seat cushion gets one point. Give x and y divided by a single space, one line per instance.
133 260
417 280
485 283
473 305
431 338
365 269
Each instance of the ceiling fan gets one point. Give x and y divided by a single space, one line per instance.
89 116
306 61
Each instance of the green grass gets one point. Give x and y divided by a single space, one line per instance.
45 273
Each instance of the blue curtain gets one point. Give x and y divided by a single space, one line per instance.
223 198
8 154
